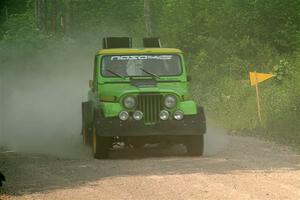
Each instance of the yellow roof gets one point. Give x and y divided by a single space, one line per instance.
138 51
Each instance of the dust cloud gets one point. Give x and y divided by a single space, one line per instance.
216 139
40 104
41 99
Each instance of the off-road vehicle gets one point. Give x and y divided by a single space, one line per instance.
140 96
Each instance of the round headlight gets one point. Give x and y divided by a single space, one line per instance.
129 102
137 115
164 115
170 101
124 115
178 115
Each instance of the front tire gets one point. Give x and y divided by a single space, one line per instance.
195 145
100 145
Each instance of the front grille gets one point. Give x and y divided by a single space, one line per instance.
150 105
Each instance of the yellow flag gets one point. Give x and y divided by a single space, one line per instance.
258 77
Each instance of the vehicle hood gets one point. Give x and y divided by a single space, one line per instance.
120 89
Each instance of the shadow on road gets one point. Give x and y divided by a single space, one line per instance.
30 173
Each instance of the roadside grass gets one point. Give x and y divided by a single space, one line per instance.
232 104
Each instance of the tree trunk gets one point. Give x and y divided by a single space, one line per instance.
36 12
6 12
45 22
40 17
194 6
66 18
147 17
54 16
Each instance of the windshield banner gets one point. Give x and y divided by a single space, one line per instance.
143 57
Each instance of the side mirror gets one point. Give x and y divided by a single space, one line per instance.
189 78
91 83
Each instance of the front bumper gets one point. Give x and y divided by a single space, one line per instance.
190 125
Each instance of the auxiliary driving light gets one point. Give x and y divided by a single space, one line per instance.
178 115
123 115
164 115
138 115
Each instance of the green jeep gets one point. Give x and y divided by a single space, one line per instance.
140 96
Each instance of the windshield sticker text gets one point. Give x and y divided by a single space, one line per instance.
143 57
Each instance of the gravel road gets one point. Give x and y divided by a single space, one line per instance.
233 167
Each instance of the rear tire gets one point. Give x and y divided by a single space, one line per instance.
86 136
195 145
100 145
86 130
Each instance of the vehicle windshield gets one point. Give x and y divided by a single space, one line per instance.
141 65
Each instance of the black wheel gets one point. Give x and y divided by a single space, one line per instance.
86 130
86 136
101 145
195 145
2 178
201 120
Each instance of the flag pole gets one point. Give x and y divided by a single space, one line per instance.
257 99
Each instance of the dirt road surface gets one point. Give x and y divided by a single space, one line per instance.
233 167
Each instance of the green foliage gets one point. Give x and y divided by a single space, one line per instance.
96 19
21 30
224 40
281 70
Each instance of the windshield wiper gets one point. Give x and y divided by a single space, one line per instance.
115 73
150 73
